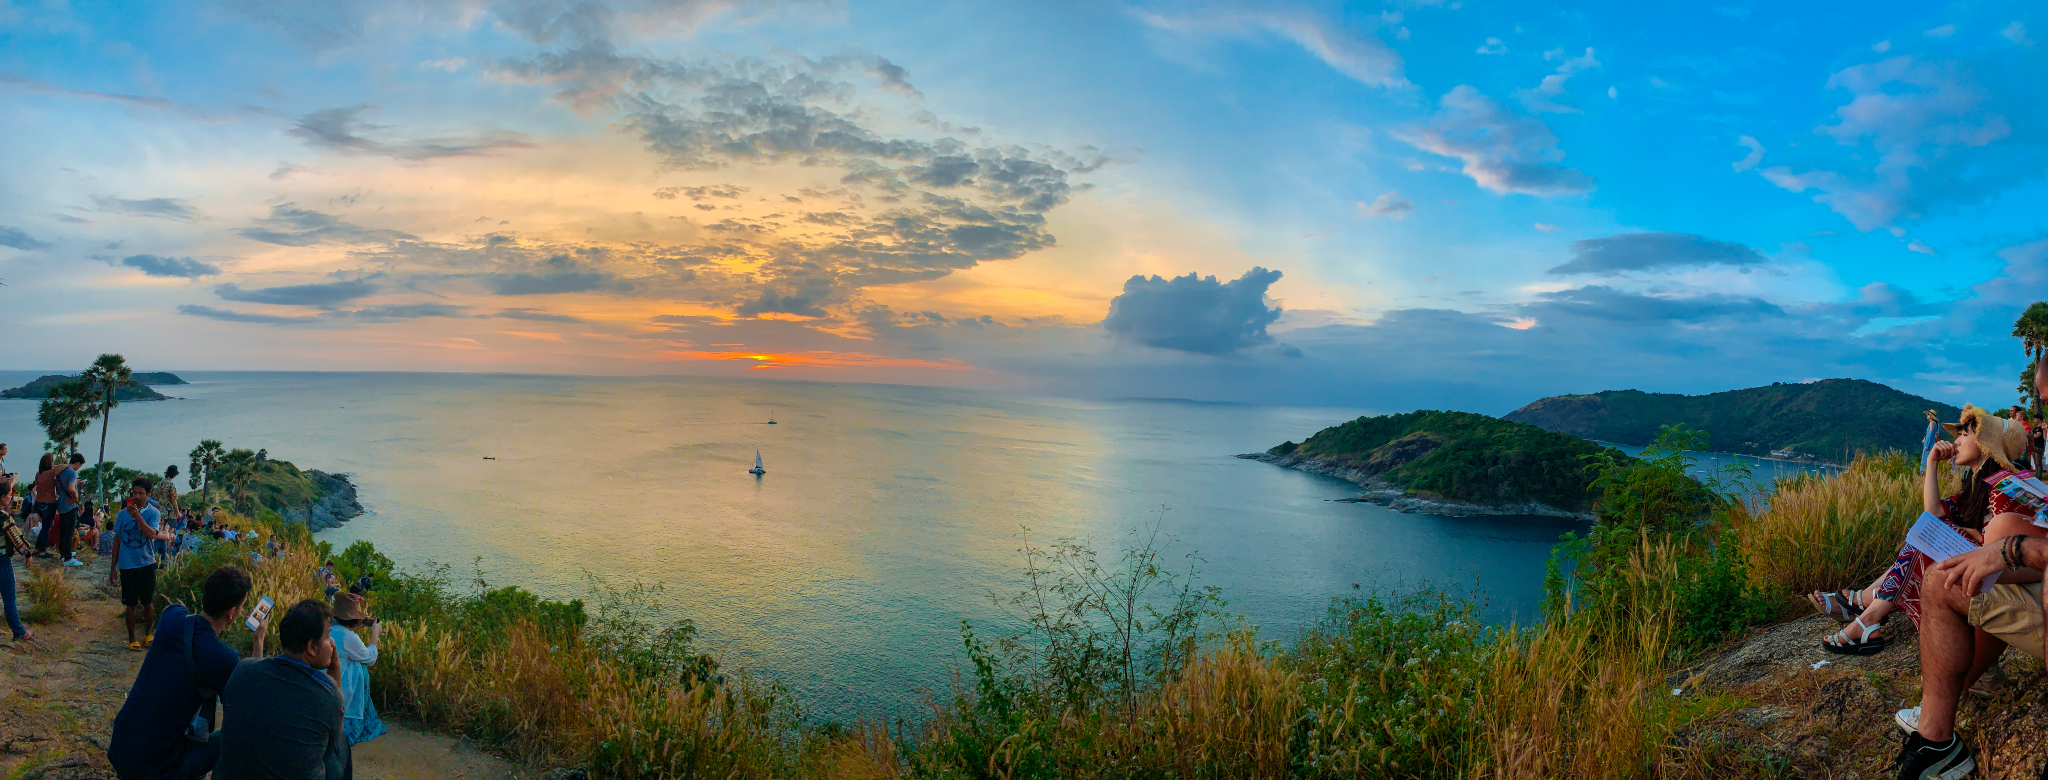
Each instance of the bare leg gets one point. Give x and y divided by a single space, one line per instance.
128 617
1947 653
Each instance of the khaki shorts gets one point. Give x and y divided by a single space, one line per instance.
2011 613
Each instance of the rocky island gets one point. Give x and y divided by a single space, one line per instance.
1829 420
1452 463
138 388
320 499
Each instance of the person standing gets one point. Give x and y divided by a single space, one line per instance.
156 735
68 504
359 716
284 714
11 544
45 497
165 494
135 559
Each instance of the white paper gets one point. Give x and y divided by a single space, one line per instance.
2035 486
1939 542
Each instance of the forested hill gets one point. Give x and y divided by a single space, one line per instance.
1828 420
1458 456
137 390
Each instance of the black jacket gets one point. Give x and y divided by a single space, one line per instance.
282 722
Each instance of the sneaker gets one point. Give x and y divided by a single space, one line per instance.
1909 720
73 562
1924 760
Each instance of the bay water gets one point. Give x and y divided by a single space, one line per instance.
887 516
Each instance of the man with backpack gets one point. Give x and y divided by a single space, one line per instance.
164 729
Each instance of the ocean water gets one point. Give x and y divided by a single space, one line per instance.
888 514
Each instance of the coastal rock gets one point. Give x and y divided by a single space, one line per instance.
337 503
1387 494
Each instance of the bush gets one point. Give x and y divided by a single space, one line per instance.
51 597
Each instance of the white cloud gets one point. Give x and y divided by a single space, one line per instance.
1546 227
1388 204
1544 96
1756 154
1364 59
2017 33
1944 31
1502 152
1613 94
1881 46
1494 46
1916 246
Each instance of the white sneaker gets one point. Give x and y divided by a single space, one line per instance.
73 562
1908 720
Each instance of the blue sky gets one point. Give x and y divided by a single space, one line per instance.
1467 204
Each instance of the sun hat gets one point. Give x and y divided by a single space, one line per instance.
349 606
2002 439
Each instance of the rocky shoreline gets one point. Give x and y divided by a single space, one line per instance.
337 504
1387 494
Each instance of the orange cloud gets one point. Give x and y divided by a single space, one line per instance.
817 359
524 334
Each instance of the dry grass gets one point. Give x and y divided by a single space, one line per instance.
1823 533
51 598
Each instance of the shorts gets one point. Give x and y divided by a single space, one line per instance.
138 586
2011 613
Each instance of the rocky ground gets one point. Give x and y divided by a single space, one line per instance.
1387 494
1794 716
60 691
337 502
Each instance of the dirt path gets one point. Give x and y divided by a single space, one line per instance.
59 693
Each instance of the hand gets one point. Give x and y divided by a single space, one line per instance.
1975 537
1971 567
1943 450
262 627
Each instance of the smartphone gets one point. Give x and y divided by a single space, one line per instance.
258 615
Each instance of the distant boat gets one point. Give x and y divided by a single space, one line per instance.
487 457
757 470
771 421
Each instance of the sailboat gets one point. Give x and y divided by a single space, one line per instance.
757 470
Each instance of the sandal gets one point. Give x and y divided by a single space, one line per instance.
135 646
1840 605
1839 642
149 640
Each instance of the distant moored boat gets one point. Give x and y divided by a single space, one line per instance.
757 470
771 421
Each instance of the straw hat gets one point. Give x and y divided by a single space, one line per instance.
2004 440
349 606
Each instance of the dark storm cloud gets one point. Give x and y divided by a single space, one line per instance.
536 315
1194 314
170 267
320 295
1607 303
289 225
161 208
1645 251
11 237
404 311
769 302
343 130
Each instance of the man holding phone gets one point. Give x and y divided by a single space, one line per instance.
135 530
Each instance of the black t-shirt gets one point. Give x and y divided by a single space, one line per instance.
282 722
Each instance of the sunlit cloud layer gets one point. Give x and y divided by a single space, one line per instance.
1463 205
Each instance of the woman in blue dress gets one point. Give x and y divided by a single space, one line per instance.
359 716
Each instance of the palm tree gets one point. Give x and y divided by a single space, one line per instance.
237 468
206 460
106 377
66 411
2032 331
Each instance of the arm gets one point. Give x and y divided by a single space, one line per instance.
114 561
1930 482
1970 568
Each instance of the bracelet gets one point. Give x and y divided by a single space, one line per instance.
2013 552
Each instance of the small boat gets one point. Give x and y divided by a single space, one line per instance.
487 457
771 421
757 470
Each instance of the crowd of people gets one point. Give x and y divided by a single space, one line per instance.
196 706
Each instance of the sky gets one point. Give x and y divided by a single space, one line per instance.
1460 204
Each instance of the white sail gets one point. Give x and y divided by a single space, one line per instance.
757 459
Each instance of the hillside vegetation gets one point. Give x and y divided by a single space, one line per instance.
1830 420
1462 456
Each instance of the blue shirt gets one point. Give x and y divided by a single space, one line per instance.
136 550
152 723
65 479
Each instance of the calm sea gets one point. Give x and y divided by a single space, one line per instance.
888 514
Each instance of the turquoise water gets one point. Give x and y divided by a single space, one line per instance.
888 514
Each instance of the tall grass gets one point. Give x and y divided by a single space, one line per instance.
1124 673
51 598
1828 532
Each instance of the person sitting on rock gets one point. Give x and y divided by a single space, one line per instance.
1984 443
156 735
